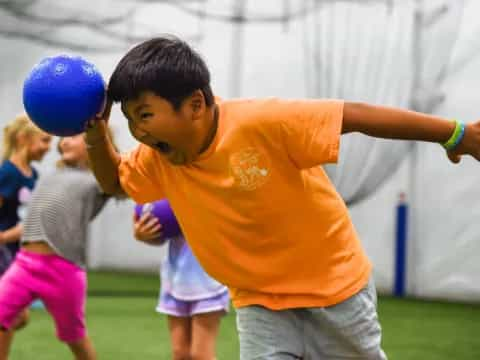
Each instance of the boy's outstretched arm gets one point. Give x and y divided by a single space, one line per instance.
393 123
103 157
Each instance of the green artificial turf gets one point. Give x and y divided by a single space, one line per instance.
123 325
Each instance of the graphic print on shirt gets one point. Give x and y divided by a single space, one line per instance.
249 168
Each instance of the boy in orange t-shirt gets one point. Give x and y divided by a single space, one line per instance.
279 236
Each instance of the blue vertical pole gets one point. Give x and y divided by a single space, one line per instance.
401 247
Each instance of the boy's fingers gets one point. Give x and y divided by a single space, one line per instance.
144 229
153 239
90 124
153 229
156 236
156 240
107 109
144 218
142 236
140 221
104 113
154 224
454 157
151 224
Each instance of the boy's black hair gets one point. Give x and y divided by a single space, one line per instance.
166 66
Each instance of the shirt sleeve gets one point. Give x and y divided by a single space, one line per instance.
311 130
141 175
7 183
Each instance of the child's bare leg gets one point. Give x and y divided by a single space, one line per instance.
6 337
180 336
22 320
83 349
204 335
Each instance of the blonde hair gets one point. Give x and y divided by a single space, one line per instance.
61 164
20 125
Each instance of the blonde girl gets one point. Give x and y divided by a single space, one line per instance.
23 143
51 263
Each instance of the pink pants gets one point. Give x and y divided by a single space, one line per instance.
59 283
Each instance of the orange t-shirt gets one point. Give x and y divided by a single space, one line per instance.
258 211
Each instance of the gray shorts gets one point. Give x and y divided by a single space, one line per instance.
348 330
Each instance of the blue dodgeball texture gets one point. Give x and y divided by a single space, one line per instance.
62 93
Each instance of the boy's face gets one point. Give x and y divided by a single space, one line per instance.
176 134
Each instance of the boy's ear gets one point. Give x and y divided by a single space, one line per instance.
197 102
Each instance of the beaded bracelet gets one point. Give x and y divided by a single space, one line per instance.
456 137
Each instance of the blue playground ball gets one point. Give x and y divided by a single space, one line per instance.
62 93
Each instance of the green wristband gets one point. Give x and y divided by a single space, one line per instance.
456 137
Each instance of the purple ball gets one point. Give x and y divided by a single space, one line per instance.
163 212
62 93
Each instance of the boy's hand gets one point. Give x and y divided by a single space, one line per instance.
96 129
470 144
148 230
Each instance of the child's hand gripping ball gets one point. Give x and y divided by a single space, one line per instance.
149 216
